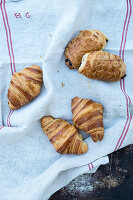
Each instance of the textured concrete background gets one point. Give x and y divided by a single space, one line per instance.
113 181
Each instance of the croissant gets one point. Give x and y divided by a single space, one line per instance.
24 86
86 41
101 65
63 136
88 116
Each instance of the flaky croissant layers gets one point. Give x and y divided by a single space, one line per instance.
24 86
88 116
63 136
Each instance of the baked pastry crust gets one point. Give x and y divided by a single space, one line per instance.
88 116
24 86
63 136
101 65
86 41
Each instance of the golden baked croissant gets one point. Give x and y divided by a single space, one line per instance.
88 116
101 65
86 41
63 136
24 86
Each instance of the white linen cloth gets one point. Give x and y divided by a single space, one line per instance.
37 32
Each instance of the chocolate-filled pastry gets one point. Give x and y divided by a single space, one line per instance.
24 86
63 136
101 65
88 116
86 41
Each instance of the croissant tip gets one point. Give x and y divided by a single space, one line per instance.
11 106
46 118
97 137
75 98
84 148
34 66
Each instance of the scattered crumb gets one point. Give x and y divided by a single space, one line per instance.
50 35
80 31
80 185
122 170
85 184
40 56
88 84
57 71
107 182
62 84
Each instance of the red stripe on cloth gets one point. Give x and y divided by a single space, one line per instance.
9 45
12 54
123 30
123 79
125 45
121 86
127 29
8 118
10 37
92 165
123 33
89 166
6 37
125 132
123 89
121 135
2 127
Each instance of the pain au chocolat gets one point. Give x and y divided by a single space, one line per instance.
24 86
63 136
88 116
101 65
86 41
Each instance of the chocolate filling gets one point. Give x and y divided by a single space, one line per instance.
70 64
66 60
124 76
